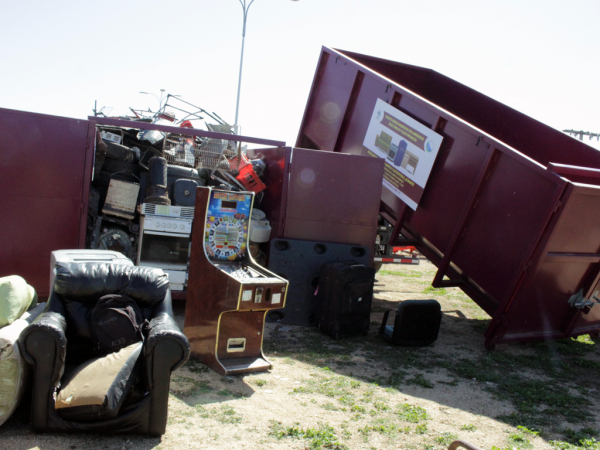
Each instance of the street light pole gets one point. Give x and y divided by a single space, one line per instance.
237 104
155 96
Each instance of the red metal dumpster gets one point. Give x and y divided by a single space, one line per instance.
46 167
45 172
510 211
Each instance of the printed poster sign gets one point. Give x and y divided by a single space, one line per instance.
408 147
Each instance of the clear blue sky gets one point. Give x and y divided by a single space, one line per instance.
539 57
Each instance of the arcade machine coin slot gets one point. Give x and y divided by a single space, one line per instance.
229 294
236 345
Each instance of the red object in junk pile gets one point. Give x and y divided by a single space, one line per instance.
247 176
249 179
240 162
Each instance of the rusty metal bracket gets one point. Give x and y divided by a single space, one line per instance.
580 302
459 443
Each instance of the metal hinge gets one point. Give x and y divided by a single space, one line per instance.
579 301
527 266
558 203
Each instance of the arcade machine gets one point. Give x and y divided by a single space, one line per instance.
228 293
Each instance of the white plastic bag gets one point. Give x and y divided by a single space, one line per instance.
14 370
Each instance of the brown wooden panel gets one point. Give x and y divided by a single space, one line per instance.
248 325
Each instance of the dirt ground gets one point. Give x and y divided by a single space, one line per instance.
362 393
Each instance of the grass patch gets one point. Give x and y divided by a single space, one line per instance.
346 399
382 426
330 387
198 387
228 393
358 409
420 380
202 411
196 366
421 428
519 440
585 444
526 430
542 397
400 274
380 406
576 437
528 396
330 407
435 291
322 437
446 439
411 413
228 415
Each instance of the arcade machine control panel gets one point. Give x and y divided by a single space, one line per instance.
228 293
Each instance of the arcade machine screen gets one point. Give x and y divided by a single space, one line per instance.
226 234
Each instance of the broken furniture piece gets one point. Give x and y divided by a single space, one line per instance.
229 294
53 348
417 323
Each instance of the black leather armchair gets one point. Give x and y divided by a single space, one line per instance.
60 337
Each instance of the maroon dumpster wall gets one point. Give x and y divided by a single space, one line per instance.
516 232
45 169
321 196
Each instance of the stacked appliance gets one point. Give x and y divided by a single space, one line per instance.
165 236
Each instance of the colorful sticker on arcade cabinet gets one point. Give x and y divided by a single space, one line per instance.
227 218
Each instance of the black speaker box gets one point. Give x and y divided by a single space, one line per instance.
417 323
344 298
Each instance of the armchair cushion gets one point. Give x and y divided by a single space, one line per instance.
96 389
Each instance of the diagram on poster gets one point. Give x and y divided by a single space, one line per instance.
408 147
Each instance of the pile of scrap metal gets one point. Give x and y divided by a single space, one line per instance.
136 170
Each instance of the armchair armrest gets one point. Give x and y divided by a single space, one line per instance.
163 327
165 350
43 345
49 327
